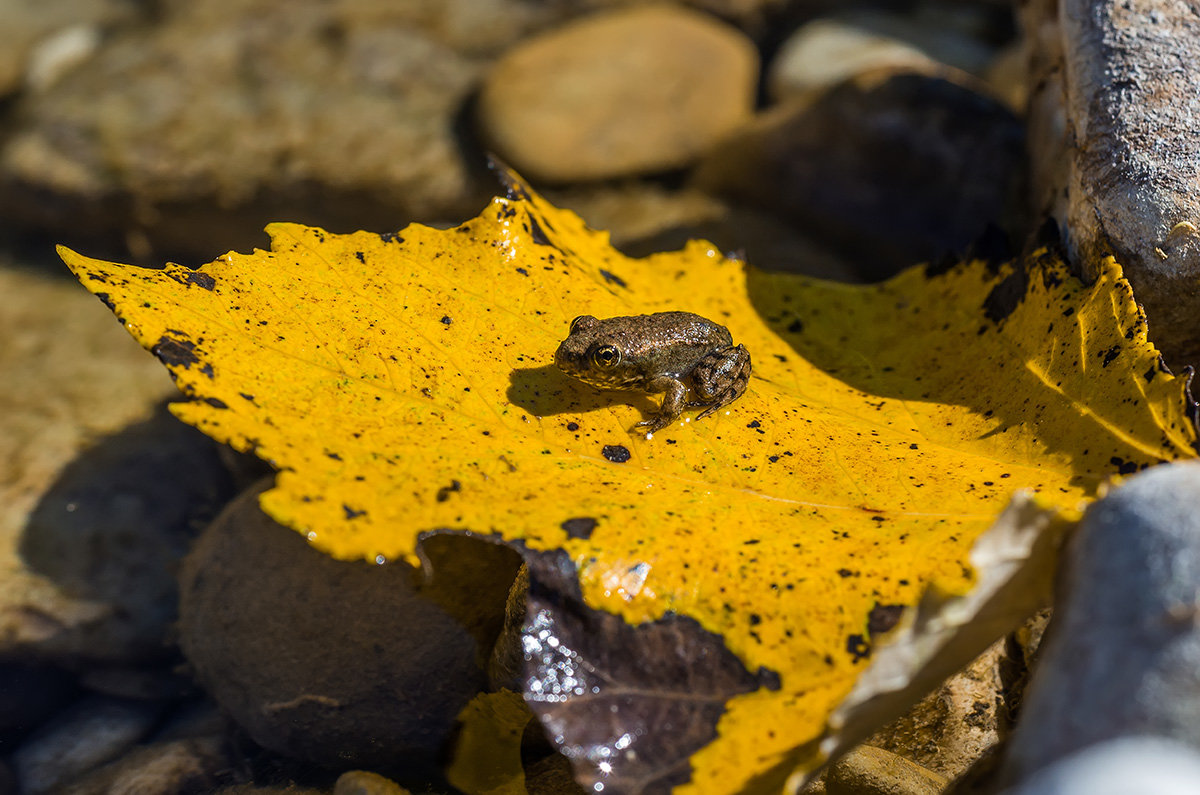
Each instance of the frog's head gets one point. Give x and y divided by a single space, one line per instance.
592 353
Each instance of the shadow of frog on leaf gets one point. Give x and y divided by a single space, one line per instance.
546 391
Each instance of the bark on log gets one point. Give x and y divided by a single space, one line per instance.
1115 147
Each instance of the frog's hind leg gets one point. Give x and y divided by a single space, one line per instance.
721 378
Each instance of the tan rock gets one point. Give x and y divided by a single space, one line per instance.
867 770
957 724
627 92
364 782
828 51
179 766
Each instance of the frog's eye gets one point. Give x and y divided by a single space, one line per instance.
582 322
606 357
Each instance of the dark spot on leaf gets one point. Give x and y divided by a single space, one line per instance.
351 513
246 396
334 456
106 301
216 403
858 647
360 257
580 527
617 453
444 492
755 619
882 618
1124 467
535 232
754 424
613 278
1004 298
845 573
522 271
446 320
207 369
202 280
1111 354
391 237
572 426
175 351
796 326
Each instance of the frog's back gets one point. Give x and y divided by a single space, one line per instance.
688 330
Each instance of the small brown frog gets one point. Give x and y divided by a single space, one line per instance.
670 352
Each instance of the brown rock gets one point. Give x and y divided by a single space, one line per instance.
72 375
1008 76
626 92
108 534
645 218
158 683
231 114
339 663
891 168
867 770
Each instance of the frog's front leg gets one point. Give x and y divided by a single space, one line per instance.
672 404
720 378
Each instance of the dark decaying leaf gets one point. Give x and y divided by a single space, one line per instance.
627 704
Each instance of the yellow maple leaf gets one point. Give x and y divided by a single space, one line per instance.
403 383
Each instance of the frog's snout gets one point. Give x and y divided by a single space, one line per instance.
563 359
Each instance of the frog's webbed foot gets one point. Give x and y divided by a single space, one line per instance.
672 405
721 378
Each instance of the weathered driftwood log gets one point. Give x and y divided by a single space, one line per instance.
1115 147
